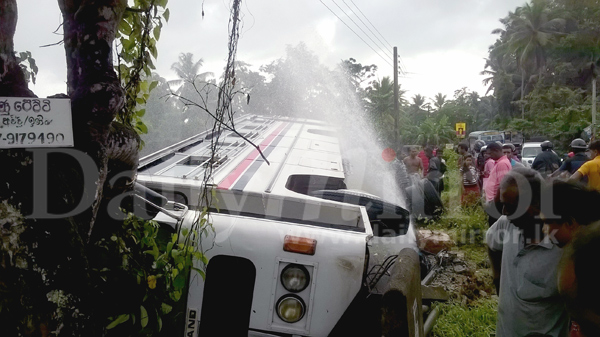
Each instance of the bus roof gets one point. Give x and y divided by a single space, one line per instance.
483 133
300 153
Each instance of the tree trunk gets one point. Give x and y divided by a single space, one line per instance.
12 79
522 93
45 271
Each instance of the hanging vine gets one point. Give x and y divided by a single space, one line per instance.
163 274
223 119
138 33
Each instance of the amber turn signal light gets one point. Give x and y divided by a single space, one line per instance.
296 244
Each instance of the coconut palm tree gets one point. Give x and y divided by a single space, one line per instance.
439 101
494 69
432 132
418 101
193 86
188 72
417 109
530 30
381 96
380 102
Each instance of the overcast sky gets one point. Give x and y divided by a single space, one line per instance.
442 43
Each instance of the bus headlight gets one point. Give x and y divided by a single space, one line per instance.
295 278
290 308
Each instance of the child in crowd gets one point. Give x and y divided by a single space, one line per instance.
470 188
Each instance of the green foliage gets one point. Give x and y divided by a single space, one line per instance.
524 125
30 68
380 104
421 122
546 52
301 85
120 319
456 320
451 158
557 112
563 112
137 35
154 266
357 74
476 253
465 225
435 132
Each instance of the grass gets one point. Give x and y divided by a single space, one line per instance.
467 227
477 254
457 321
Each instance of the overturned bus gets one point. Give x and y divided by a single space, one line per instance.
293 250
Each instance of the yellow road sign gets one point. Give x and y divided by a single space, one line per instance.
461 130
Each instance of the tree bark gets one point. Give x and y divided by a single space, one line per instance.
12 79
522 93
45 272
93 86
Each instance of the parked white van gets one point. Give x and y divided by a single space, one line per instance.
529 151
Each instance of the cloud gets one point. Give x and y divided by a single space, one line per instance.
429 34
445 73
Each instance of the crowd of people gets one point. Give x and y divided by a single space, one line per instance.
543 233
428 163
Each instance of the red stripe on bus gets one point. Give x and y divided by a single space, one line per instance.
226 183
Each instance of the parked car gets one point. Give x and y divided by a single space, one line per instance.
529 151
293 250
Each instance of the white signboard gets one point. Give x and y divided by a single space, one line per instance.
35 122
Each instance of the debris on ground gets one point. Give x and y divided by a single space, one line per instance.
465 281
434 242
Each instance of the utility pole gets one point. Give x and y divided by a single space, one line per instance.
396 107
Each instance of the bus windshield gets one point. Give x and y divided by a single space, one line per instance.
491 138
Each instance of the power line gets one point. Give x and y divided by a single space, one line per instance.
401 67
358 17
384 51
354 31
363 40
389 44
361 12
